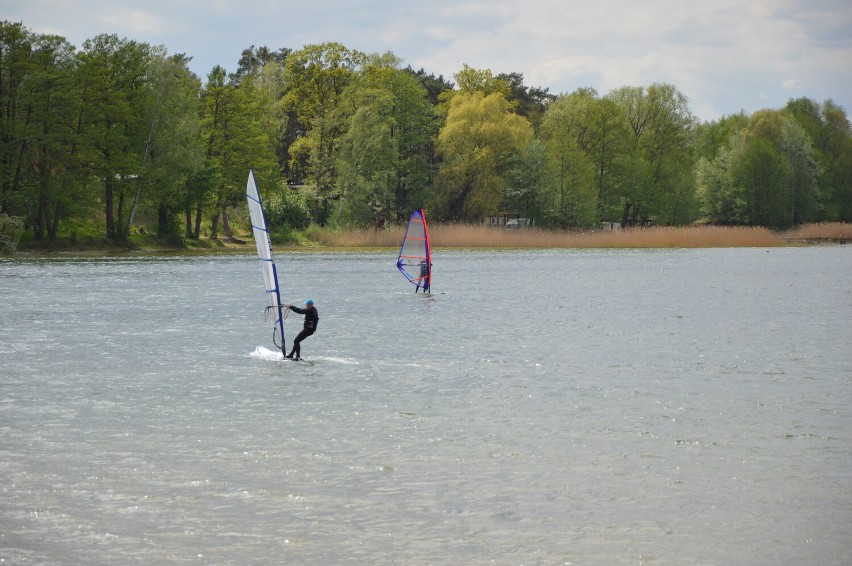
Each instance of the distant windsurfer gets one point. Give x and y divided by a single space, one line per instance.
423 281
311 321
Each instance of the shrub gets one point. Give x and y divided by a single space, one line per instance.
11 229
287 209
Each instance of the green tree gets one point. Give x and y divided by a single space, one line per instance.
530 102
470 81
235 141
286 210
568 135
267 67
11 229
55 176
113 89
383 165
711 137
828 127
803 173
661 128
199 190
366 161
759 168
480 140
173 152
615 169
529 187
775 141
215 106
314 79
589 145
40 176
435 86
254 60
722 201
766 176
15 50
836 152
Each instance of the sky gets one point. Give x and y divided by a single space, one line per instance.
725 56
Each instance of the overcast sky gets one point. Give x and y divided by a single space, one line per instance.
724 55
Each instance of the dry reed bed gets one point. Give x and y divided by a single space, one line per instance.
823 231
470 236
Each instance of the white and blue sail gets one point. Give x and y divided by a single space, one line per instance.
267 263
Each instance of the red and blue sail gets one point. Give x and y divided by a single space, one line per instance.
260 232
415 256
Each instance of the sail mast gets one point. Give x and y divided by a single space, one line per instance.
428 243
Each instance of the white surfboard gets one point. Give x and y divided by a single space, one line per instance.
267 354
272 355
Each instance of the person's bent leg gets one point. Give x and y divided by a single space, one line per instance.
297 348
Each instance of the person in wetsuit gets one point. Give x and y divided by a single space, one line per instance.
424 277
311 321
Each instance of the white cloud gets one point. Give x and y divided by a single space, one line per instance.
723 55
134 22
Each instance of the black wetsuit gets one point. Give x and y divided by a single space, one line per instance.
311 322
424 278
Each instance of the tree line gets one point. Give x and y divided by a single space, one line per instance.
120 136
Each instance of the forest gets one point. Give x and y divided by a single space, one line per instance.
119 140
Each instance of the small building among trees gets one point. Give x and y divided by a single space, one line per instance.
508 220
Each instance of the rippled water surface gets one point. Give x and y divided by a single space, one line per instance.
551 407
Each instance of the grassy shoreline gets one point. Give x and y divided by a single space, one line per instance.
458 236
478 236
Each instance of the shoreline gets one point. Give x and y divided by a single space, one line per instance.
237 250
467 237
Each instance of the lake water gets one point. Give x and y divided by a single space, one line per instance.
659 407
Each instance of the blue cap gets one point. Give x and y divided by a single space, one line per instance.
309 302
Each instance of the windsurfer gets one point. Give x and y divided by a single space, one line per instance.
424 277
311 321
